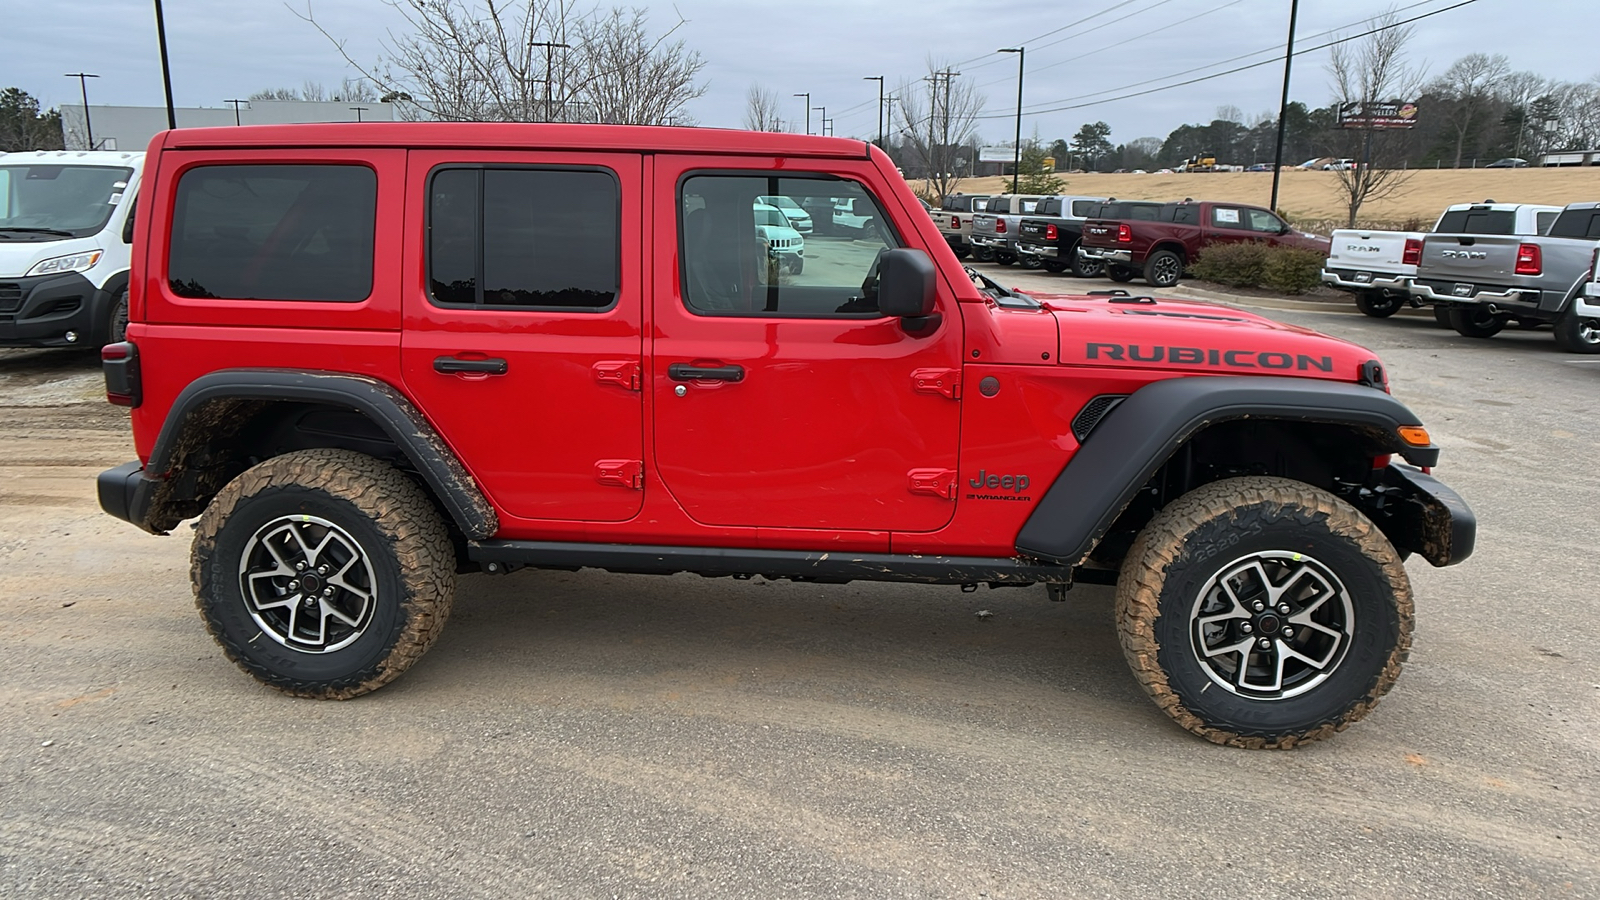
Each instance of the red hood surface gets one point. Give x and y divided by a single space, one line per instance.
1193 336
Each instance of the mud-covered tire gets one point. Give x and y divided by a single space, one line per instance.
1577 334
391 602
1120 274
1336 571
1475 321
1163 269
1379 304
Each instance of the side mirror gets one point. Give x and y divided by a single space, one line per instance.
906 288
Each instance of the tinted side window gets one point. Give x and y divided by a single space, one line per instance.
1051 206
282 232
1543 221
736 263
1084 209
1577 224
524 238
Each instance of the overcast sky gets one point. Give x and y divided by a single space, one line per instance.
230 48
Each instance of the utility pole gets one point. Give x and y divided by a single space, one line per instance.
879 80
822 124
944 142
83 86
166 70
359 110
1016 164
1283 105
807 95
550 47
236 109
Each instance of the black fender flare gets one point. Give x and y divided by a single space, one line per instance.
380 402
100 307
1140 434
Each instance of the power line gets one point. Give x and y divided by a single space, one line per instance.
1068 37
1237 69
1040 37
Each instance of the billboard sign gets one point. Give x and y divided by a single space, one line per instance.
997 153
1377 115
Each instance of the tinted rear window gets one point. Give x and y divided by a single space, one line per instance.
1583 223
1049 206
1478 221
287 232
1144 211
1084 208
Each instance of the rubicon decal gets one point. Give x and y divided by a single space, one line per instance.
1198 356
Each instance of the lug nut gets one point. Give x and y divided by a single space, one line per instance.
323 570
1283 608
300 566
327 592
1258 606
294 585
1247 628
1264 644
1288 632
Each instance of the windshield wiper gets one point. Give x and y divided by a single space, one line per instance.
35 230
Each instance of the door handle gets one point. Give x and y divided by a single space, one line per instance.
450 365
686 372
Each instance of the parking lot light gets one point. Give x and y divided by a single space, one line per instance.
1016 164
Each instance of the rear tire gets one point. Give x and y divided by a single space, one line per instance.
1088 268
1120 274
1379 304
1475 321
323 573
1163 269
1441 314
1186 616
1055 268
1576 334
1004 259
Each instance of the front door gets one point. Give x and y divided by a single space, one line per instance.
782 398
522 337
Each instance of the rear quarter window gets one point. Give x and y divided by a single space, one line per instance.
274 232
1577 224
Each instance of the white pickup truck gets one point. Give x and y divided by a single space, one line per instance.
1379 266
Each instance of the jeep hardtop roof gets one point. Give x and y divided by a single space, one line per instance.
512 136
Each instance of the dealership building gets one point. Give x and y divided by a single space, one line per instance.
132 127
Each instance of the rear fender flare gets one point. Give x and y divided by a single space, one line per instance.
1138 436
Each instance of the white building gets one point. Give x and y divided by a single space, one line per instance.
132 127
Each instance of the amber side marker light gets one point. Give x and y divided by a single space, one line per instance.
1415 435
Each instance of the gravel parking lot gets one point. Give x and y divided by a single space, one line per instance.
596 735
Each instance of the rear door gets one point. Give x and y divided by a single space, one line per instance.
786 400
522 340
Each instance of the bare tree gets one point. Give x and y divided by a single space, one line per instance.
1518 91
761 109
1365 72
531 61
1470 84
938 118
351 90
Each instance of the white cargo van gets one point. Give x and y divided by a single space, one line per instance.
66 220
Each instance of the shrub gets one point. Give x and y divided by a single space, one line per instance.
1042 184
1235 265
1291 270
1288 270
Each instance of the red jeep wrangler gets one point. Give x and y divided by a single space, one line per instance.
372 357
1161 250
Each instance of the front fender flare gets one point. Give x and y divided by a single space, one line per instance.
1140 434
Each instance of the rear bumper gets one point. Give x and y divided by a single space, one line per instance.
1115 257
1353 280
125 493
956 240
1524 298
1040 250
994 242
1592 290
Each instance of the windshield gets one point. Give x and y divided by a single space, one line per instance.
59 201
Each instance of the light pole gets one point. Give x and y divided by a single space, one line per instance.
1016 165
1283 105
166 71
823 122
807 95
550 48
879 80
83 83
236 109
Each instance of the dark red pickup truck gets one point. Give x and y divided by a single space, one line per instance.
1162 249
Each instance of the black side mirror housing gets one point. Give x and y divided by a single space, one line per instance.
906 288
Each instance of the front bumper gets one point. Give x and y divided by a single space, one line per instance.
1362 280
1105 255
43 310
1419 513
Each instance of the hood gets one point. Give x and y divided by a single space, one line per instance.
1195 337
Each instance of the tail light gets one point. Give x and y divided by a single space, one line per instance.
955 221
999 226
1050 232
1530 261
120 362
1413 253
1124 234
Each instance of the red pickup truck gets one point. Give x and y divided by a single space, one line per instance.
1162 249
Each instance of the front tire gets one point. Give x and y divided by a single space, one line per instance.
1577 334
117 319
1379 304
1475 321
1335 612
1163 269
323 573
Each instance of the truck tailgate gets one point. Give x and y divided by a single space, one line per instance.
1470 258
983 223
1371 251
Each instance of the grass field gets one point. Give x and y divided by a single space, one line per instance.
1312 199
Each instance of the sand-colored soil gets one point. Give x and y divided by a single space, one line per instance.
1312 197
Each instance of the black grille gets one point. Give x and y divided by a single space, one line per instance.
1092 412
10 297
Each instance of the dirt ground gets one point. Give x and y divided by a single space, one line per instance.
1316 195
